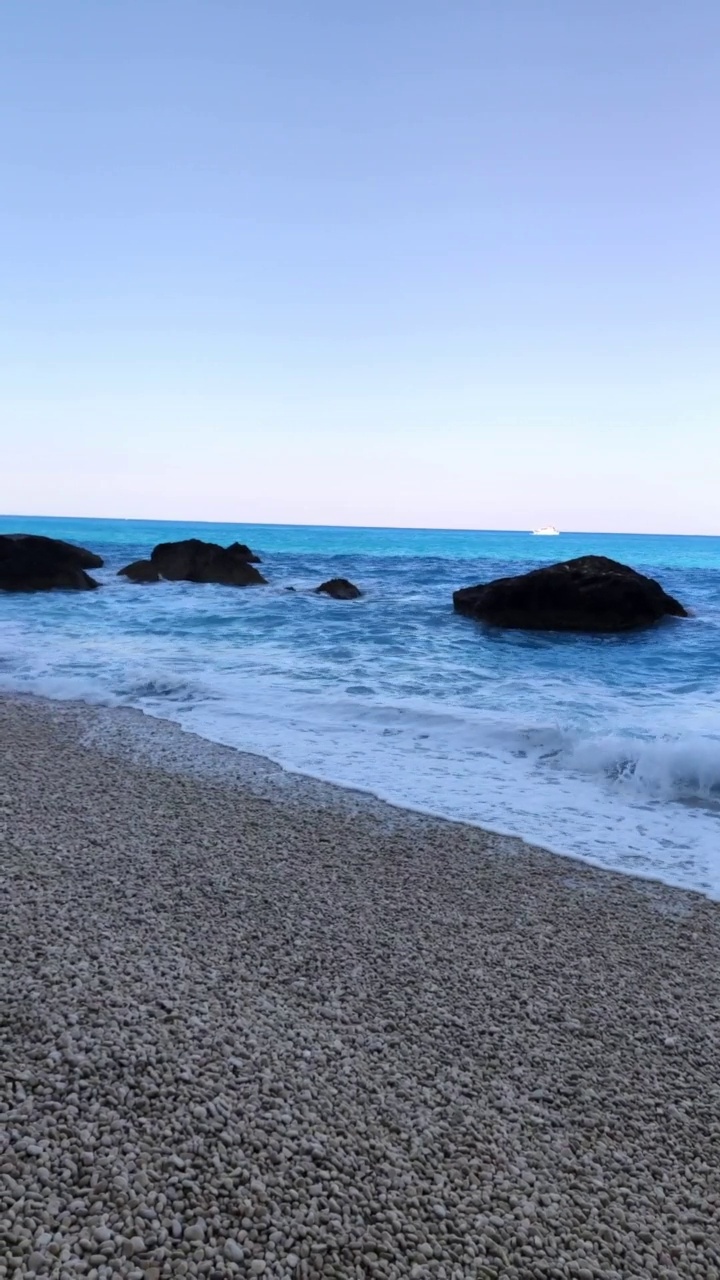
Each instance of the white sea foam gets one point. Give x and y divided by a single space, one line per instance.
684 769
649 807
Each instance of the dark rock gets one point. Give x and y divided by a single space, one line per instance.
30 562
140 571
240 549
591 593
197 561
80 557
85 559
339 589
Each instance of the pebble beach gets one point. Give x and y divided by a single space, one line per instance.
254 1025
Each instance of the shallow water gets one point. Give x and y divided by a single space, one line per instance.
603 747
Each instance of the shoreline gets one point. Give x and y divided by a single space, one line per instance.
154 736
261 1025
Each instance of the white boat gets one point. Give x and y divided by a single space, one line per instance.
547 531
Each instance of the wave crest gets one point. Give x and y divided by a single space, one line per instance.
685 769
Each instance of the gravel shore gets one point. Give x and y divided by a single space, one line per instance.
254 1026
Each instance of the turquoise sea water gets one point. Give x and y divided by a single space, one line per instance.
603 747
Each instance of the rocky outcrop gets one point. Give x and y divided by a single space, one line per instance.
591 593
30 562
196 561
140 571
339 589
80 557
240 549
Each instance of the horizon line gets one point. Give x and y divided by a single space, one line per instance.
379 528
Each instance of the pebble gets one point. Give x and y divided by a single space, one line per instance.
195 1232
259 1027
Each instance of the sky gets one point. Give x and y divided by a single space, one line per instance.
435 263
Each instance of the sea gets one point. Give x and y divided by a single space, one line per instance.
606 748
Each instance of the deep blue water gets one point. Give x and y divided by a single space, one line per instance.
607 748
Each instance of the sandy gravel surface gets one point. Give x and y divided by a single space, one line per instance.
255 1027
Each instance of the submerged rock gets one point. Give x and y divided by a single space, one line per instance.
590 593
196 561
339 589
31 562
140 571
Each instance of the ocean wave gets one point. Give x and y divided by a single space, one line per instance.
684 769
164 687
681 768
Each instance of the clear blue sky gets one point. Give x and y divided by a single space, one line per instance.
423 263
